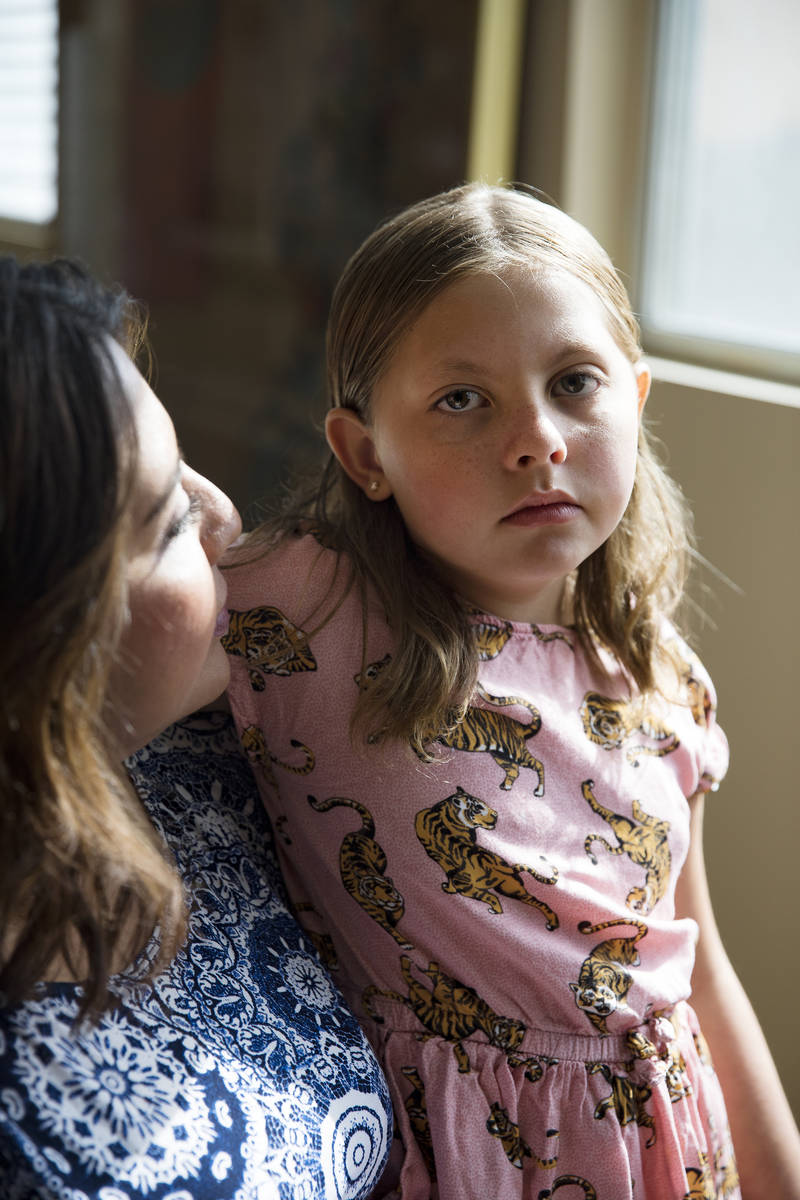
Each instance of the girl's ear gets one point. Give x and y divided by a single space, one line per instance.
351 441
643 380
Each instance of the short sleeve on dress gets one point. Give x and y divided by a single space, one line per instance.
712 752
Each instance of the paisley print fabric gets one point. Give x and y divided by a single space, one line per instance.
502 919
240 1074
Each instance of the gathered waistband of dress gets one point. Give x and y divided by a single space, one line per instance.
649 1038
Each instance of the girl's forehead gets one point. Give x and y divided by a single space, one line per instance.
525 296
522 296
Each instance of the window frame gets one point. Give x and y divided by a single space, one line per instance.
584 130
20 236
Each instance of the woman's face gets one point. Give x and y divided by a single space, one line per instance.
170 658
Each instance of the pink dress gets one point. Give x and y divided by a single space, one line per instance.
501 920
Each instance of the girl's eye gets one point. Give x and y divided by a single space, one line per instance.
577 383
185 520
462 400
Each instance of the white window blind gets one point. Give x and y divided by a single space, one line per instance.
721 255
29 110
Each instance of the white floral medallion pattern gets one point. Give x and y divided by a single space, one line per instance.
240 1075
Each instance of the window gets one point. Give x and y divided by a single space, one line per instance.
28 116
721 236
671 129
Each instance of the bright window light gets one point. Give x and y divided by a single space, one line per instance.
721 255
29 110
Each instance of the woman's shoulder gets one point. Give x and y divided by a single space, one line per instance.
245 1031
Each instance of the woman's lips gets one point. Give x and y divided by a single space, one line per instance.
223 621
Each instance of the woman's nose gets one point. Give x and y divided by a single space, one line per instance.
536 438
221 523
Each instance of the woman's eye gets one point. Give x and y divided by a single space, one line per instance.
185 520
577 383
462 400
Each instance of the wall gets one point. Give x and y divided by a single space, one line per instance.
245 151
736 460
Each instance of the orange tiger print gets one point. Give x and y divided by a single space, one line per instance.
416 1106
362 866
482 730
452 1010
500 1125
644 839
626 1098
490 640
269 643
603 983
447 830
256 750
701 1181
610 723
677 1079
570 1180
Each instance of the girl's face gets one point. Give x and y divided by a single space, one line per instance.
506 428
171 661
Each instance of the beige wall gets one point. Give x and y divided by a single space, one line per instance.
737 461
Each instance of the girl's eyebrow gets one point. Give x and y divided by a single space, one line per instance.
556 349
163 499
459 366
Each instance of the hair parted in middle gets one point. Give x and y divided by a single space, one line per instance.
619 596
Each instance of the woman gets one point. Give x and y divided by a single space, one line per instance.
148 1046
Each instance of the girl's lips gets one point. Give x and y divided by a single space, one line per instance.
555 513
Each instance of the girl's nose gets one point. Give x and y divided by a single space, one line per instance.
536 439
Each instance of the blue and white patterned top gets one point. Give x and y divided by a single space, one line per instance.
240 1075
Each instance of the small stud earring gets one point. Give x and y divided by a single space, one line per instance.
373 485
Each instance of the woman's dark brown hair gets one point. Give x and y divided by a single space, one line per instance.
83 880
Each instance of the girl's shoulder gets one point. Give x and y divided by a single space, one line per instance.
294 571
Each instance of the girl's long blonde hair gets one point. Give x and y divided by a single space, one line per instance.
620 595
84 881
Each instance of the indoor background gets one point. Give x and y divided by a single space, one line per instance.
223 160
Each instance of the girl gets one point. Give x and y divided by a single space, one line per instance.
482 740
237 1073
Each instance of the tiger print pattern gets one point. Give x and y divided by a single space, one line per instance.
490 640
589 1192
448 831
453 1011
500 1125
603 983
483 731
701 1181
371 671
555 635
644 839
570 879
679 1085
417 1108
699 699
610 723
627 1100
269 643
362 866
255 747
